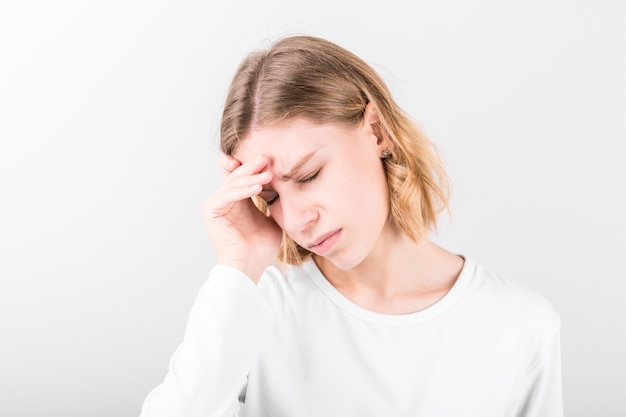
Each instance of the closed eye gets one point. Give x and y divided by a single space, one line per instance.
271 200
309 178
269 196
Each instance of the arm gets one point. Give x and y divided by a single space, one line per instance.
542 390
209 369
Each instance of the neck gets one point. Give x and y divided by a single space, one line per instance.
399 276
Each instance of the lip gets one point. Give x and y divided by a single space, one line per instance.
323 243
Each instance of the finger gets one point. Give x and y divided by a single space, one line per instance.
228 164
261 178
223 201
254 166
239 187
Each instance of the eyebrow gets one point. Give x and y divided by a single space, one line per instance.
296 168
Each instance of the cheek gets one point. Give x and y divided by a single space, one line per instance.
276 213
365 187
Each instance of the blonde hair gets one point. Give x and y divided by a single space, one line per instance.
304 76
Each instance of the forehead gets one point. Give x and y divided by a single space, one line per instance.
288 141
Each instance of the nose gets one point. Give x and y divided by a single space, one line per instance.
297 214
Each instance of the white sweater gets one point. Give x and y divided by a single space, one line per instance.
294 346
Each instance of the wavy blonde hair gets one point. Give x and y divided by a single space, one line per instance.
305 76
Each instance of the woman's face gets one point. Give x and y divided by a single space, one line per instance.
328 190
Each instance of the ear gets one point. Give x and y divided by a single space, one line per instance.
371 123
370 114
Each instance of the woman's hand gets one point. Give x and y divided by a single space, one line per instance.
242 236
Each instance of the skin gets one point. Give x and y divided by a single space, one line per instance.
321 180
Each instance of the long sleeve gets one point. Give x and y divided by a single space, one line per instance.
208 371
542 391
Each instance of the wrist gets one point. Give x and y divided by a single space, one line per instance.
252 271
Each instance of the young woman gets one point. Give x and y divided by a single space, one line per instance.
328 298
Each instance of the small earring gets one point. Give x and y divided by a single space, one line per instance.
386 153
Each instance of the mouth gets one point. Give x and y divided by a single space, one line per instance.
323 243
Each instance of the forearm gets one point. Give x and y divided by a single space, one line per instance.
209 369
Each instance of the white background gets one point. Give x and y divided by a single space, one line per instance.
109 115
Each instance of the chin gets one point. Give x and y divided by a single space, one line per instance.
343 263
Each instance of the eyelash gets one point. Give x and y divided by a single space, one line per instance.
302 181
272 201
309 179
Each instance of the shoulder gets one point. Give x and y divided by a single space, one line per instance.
510 303
286 282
